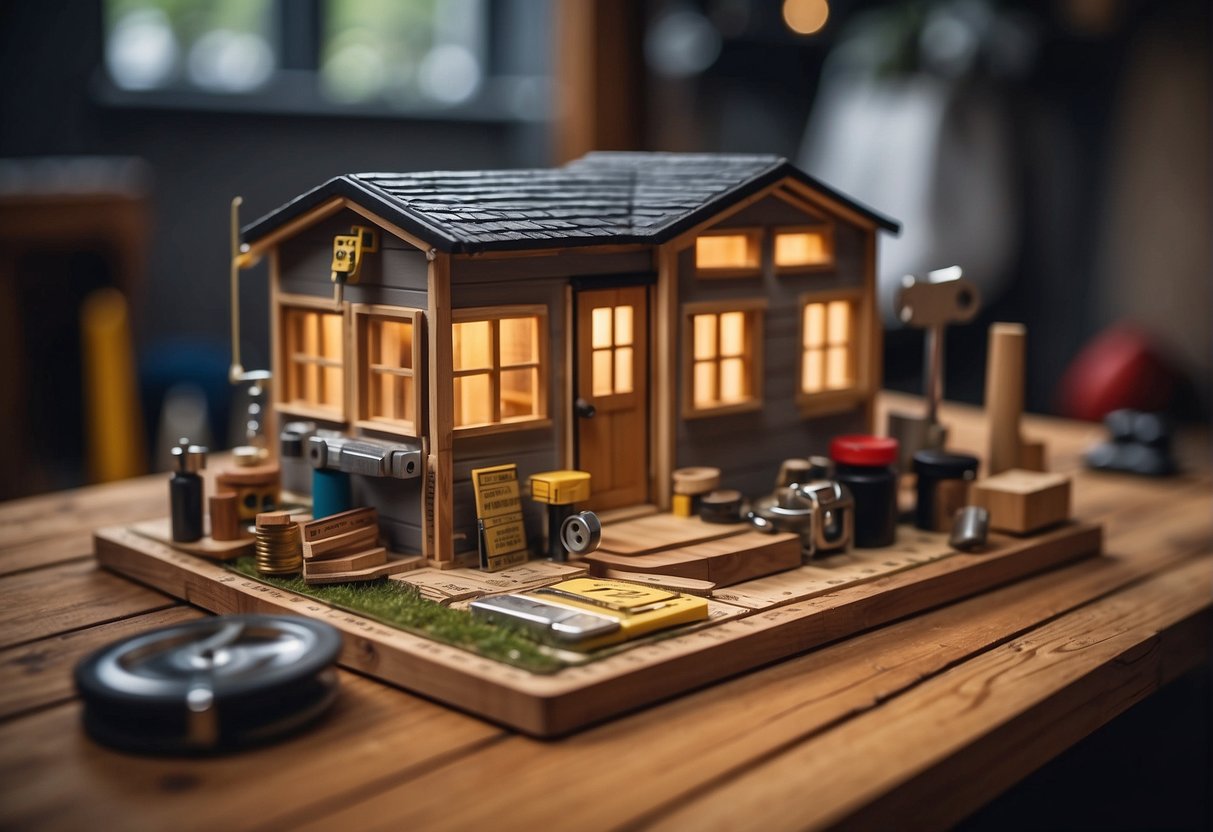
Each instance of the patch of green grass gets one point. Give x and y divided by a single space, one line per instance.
401 605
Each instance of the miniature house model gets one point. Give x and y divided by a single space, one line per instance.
627 314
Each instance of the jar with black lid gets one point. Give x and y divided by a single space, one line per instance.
865 465
943 487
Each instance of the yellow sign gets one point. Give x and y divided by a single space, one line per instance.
499 509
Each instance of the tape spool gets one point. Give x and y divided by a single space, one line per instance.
581 533
211 685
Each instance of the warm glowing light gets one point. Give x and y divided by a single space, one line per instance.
721 370
390 370
497 367
827 358
801 248
805 17
726 251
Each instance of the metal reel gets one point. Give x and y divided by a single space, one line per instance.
581 533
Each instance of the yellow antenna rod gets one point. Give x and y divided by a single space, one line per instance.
236 371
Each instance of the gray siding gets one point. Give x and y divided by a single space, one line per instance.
748 447
533 450
395 276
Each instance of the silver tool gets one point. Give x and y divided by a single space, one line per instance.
943 297
970 529
821 512
369 457
548 620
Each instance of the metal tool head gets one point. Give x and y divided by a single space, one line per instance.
581 533
942 297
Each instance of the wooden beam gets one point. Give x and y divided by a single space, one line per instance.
600 64
441 411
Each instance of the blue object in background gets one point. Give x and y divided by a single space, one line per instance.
330 492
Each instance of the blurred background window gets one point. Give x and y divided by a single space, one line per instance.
397 55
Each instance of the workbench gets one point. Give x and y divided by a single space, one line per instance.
878 730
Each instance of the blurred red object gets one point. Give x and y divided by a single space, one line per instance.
1122 367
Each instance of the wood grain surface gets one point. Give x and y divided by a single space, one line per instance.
885 728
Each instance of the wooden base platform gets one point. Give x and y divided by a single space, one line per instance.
762 621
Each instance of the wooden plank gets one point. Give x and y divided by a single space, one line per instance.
1005 712
374 734
724 562
698 742
39 674
335 545
440 419
345 563
659 532
368 573
161 530
565 701
70 596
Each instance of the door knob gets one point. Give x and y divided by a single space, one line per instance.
584 409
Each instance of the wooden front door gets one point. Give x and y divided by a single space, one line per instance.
610 410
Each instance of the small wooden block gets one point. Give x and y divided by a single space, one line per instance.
1032 456
392 567
347 563
225 517
274 518
1022 501
346 521
341 544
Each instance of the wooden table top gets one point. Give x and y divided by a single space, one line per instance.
888 725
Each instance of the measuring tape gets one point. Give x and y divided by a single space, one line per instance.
211 685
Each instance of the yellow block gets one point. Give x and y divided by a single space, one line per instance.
683 505
560 488
640 610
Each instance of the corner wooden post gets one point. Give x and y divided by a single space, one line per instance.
665 377
441 408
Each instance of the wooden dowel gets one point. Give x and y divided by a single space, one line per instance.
1004 395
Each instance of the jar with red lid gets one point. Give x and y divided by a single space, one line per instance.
866 465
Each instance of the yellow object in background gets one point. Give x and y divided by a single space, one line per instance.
682 505
639 609
113 421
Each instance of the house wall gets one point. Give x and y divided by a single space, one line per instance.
480 281
748 447
395 276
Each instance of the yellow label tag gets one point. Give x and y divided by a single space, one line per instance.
614 595
499 508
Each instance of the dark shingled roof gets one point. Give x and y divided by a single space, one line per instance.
600 198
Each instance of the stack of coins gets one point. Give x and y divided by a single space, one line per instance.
279 548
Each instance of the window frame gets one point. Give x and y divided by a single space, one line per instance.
495 314
362 316
754 250
826 229
837 401
755 313
284 304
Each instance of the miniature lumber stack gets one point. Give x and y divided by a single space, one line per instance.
345 547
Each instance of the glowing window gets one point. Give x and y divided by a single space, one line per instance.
827 350
313 359
728 252
803 249
612 350
388 363
500 373
723 371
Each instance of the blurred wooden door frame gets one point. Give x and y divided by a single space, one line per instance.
599 56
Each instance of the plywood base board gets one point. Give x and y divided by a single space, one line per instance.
578 696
